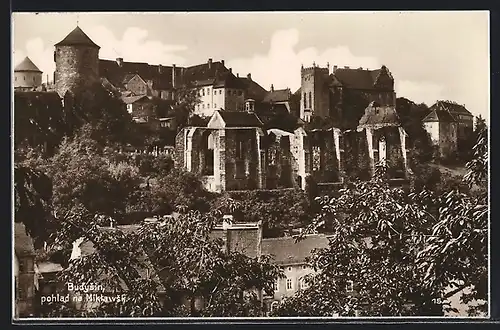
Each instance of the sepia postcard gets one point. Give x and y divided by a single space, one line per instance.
250 165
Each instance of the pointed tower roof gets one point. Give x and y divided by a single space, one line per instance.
27 65
77 38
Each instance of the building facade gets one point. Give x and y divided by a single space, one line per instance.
291 257
343 93
77 62
463 118
27 76
443 131
24 273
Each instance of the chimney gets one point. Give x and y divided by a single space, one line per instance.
360 68
209 63
237 75
173 75
328 65
346 67
119 61
272 88
160 68
230 70
222 62
249 76
335 68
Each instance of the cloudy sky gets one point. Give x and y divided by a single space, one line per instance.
432 55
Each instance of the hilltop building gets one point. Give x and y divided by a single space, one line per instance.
27 76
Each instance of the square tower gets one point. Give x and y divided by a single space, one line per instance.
314 99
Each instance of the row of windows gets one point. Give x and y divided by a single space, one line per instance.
206 91
303 284
24 78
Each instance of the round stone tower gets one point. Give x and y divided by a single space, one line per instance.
27 75
77 62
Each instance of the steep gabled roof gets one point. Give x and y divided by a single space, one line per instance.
452 107
26 66
357 78
253 89
23 243
120 75
133 99
377 115
77 38
439 115
285 251
279 95
239 119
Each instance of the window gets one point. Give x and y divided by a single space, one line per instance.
215 92
203 105
220 91
24 77
240 93
274 305
203 92
208 105
349 286
289 269
305 100
304 267
289 284
310 100
15 78
215 105
276 285
239 149
303 283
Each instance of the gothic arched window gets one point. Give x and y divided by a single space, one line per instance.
305 100
310 100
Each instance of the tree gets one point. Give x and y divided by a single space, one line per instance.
456 255
32 196
104 112
279 211
81 173
377 234
186 99
184 261
407 253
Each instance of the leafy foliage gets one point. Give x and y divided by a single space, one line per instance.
279 210
190 273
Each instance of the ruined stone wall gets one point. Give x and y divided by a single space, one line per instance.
76 68
180 146
241 173
448 139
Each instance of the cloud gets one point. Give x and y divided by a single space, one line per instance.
134 46
281 65
419 92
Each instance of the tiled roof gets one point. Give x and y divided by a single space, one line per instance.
279 95
439 115
133 99
280 119
119 75
253 89
77 38
453 108
26 65
207 74
357 78
240 119
285 251
23 243
379 115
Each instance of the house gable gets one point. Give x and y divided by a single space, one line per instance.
216 121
